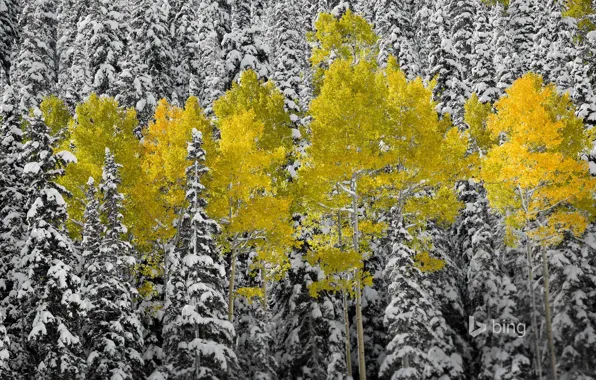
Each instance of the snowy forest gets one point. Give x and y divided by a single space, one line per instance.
297 189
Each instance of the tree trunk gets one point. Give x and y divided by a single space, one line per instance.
345 307
231 289
549 327
264 288
348 346
359 326
538 366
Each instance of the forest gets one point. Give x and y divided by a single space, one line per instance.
297 190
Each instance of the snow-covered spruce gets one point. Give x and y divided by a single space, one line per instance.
112 334
419 347
197 333
34 71
48 293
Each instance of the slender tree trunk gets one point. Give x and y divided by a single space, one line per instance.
197 354
359 325
231 288
264 288
538 366
547 314
345 307
348 345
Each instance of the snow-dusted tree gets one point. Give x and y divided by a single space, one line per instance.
113 336
289 53
182 28
9 10
395 26
521 24
254 341
505 61
573 288
490 291
4 349
71 64
100 37
196 330
244 45
419 346
309 332
450 90
209 72
583 71
462 14
482 78
147 74
34 71
49 287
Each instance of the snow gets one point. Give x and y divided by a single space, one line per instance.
32 167
67 157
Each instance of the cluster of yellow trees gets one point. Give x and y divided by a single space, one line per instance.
375 149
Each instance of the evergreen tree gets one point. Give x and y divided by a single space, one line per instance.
490 291
462 14
505 61
4 347
35 66
113 339
521 23
482 80
450 90
209 79
196 330
101 37
419 346
573 283
9 10
147 74
48 292
182 29
72 53
289 58
395 25
244 45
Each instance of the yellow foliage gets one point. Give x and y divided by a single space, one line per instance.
245 186
251 294
582 11
536 176
476 116
349 38
428 264
56 115
100 123
163 161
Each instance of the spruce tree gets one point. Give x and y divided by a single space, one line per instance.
35 67
9 10
101 38
289 57
419 347
482 78
489 289
573 276
243 45
208 81
48 293
113 338
197 333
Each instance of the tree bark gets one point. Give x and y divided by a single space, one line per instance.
231 289
547 315
359 325
538 366
345 307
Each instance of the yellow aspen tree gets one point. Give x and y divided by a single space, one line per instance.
99 124
246 186
345 134
536 176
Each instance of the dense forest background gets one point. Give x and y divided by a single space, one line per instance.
298 189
